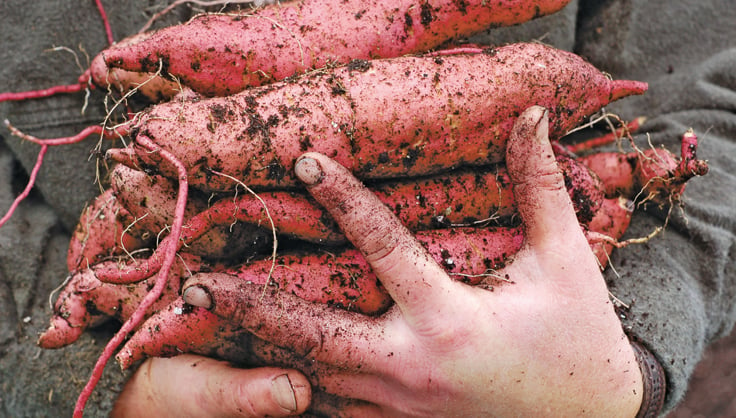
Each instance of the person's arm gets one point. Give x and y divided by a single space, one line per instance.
546 342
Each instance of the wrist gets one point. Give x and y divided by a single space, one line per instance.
654 382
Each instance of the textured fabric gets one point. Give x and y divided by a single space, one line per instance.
33 245
679 287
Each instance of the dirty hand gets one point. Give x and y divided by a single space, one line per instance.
549 343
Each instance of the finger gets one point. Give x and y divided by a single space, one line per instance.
369 388
413 279
539 187
327 405
394 399
327 397
312 330
189 385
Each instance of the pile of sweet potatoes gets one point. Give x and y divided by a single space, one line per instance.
206 184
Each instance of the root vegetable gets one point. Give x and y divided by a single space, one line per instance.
85 302
611 222
102 232
222 54
653 174
219 54
151 200
401 117
343 279
471 255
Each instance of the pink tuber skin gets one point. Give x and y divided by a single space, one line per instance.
343 279
654 174
85 302
381 119
460 198
471 259
222 54
103 231
608 226
151 200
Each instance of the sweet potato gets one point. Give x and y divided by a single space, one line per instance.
222 54
471 255
652 174
385 118
610 222
219 54
151 200
85 302
181 328
342 279
103 231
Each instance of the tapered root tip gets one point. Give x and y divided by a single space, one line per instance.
624 88
59 334
690 166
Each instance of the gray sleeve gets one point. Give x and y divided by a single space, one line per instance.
680 286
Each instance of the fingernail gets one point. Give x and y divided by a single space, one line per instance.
283 392
197 296
309 171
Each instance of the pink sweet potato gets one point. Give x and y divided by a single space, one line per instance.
85 301
344 279
222 54
610 222
102 232
151 200
385 118
652 174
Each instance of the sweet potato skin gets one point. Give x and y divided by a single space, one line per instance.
85 301
654 174
400 117
151 198
103 231
222 54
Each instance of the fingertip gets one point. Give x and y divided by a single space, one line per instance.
197 295
269 392
292 392
538 184
533 123
308 170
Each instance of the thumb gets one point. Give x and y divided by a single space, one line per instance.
189 385
539 187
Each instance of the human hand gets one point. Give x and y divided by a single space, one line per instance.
549 343
189 385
